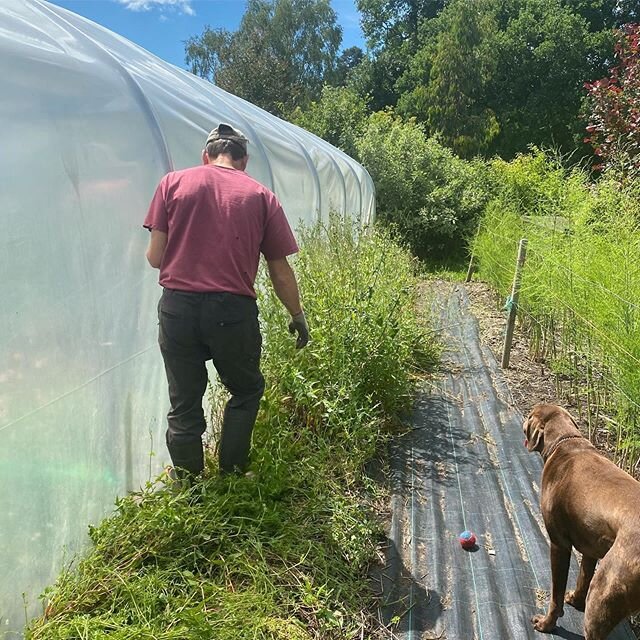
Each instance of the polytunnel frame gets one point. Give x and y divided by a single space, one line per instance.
344 182
310 166
86 49
201 83
111 60
335 164
196 81
148 109
326 146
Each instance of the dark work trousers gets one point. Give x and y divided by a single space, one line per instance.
223 327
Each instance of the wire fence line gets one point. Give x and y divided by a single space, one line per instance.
532 249
576 319
599 371
532 287
575 274
573 310
597 329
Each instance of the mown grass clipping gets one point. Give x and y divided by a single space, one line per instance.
282 555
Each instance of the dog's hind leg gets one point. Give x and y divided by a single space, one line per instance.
607 601
578 597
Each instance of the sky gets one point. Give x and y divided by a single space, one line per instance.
162 26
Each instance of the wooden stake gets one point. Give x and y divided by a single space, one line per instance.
472 258
471 269
513 303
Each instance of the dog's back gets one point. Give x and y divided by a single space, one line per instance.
587 500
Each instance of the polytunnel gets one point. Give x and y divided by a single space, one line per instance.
90 124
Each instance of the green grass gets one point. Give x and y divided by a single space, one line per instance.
580 297
284 555
453 269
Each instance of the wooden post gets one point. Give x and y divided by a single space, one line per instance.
513 303
471 269
472 258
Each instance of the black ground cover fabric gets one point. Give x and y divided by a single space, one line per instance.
463 466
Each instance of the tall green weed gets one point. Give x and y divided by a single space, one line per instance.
580 293
284 555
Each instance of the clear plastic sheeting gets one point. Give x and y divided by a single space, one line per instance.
90 123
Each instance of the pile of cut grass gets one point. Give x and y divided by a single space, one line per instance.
283 555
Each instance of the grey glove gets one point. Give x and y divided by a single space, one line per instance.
299 325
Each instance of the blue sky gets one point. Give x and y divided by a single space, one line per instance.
162 26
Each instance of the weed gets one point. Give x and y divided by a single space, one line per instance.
282 555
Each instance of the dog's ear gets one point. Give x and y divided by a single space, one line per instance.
534 431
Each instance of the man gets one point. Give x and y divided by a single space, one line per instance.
208 226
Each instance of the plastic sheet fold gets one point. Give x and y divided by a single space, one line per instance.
90 123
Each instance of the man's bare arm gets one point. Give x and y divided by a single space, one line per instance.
286 288
285 285
157 245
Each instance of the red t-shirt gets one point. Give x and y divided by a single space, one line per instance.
218 221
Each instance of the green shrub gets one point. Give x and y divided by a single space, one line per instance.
282 556
531 184
338 117
432 197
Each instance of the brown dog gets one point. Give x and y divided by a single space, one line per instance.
588 503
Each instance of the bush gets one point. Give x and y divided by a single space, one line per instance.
532 184
359 293
612 109
339 117
432 197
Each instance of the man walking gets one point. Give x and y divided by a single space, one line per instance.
208 226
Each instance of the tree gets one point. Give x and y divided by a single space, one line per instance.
339 117
280 57
605 14
391 22
348 61
459 65
496 76
613 108
376 77
391 29
545 52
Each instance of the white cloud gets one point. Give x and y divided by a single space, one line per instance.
183 6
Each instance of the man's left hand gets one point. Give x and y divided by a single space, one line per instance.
299 325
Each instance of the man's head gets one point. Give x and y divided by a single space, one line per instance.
224 140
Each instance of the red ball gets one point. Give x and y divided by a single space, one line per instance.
467 539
